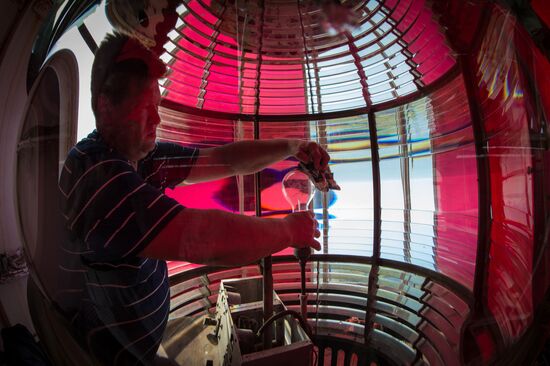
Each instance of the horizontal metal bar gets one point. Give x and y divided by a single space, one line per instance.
457 288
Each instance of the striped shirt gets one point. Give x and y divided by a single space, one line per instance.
117 301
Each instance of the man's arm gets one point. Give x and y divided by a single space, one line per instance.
216 237
247 157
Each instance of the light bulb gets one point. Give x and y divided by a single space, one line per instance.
298 190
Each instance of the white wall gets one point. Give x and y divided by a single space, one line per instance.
14 58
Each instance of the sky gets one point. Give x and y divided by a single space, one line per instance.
98 25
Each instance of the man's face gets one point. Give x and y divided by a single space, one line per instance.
133 123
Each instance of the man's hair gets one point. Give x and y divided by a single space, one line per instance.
121 63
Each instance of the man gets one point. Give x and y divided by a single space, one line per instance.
121 227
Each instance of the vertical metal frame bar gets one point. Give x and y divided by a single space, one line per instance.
377 202
206 70
306 56
375 163
362 76
267 261
480 319
484 188
401 122
377 228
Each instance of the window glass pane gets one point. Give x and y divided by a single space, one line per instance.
350 214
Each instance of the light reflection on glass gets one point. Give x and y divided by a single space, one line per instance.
407 187
351 212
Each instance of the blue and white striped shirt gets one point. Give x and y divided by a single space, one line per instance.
117 301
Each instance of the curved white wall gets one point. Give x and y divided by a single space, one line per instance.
13 97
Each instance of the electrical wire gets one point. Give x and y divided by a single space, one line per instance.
295 314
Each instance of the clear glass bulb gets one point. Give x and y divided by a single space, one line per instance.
298 190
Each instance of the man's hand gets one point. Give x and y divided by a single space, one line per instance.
303 228
310 152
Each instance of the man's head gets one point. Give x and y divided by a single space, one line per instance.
125 95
